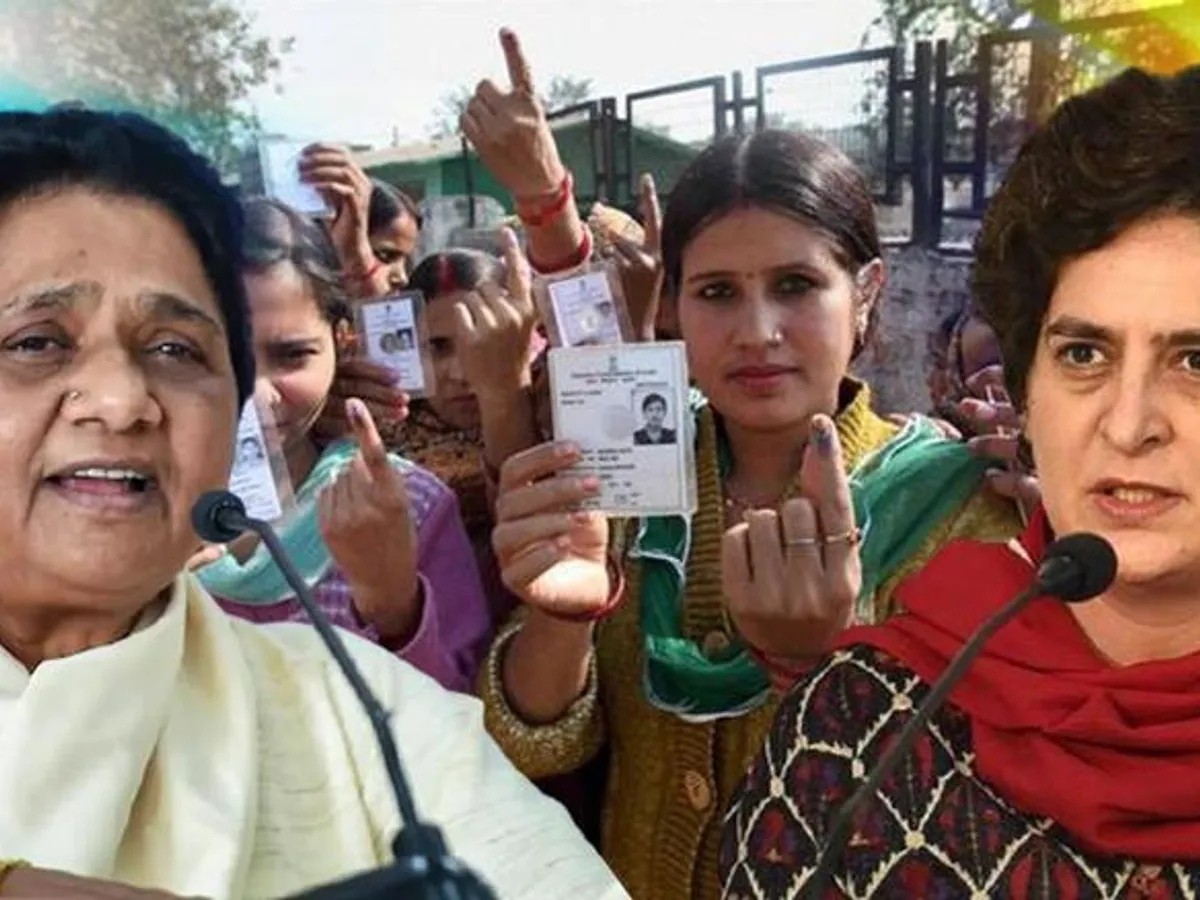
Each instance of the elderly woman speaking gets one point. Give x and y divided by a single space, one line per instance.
147 740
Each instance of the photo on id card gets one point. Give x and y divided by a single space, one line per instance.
626 407
279 161
390 333
259 476
584 309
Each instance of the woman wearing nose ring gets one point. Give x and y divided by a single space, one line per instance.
663 641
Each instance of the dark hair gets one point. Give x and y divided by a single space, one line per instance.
127 155
455 270
650 399
793 174
1107 159
276 233
389 203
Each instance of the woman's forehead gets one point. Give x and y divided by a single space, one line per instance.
80 246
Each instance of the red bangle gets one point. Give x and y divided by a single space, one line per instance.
616 577
541 215
581 255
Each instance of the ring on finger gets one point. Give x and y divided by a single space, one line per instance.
850 538
801 542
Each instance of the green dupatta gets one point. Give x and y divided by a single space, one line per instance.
901 492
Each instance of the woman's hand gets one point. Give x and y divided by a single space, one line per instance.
44 884
495 328
641 264
552 554
997 425
949 432
347 189
368 527
510 131
374 385
791 578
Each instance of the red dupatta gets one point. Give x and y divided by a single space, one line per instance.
1111 753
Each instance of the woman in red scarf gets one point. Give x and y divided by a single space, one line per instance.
1067 762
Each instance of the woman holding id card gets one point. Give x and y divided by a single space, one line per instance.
379 539
672 650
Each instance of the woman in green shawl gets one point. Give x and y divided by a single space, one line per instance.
658 639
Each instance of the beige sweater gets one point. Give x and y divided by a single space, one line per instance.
209 757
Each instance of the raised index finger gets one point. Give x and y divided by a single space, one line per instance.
651 213
519 74
519 276
823 476
370 444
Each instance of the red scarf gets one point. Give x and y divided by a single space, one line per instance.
1112 754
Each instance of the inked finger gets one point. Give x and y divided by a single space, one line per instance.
823 475
519 74
370 445
651 211
519 275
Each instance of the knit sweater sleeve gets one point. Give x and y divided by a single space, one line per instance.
540 751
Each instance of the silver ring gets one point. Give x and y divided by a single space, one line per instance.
851 538
74 395
801 542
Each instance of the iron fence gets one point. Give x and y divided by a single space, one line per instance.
984 111
933 134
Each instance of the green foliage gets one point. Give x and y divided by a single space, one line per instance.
190 64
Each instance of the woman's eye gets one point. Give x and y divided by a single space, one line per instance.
178 350
1079 355
716 291
37 343
794 284
1191 361
295 358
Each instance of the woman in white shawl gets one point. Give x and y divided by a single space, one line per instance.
148 742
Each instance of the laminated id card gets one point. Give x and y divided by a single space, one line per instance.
390 333
626 407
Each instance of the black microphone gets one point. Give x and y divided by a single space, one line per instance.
1075 568
423 868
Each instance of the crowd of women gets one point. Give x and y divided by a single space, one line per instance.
665 708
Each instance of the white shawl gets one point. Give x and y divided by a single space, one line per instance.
210 757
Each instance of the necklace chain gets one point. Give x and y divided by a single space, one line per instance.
734 501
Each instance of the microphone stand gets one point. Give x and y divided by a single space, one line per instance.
423 869
839 832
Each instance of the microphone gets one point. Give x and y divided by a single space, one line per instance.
423 868
1076 568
